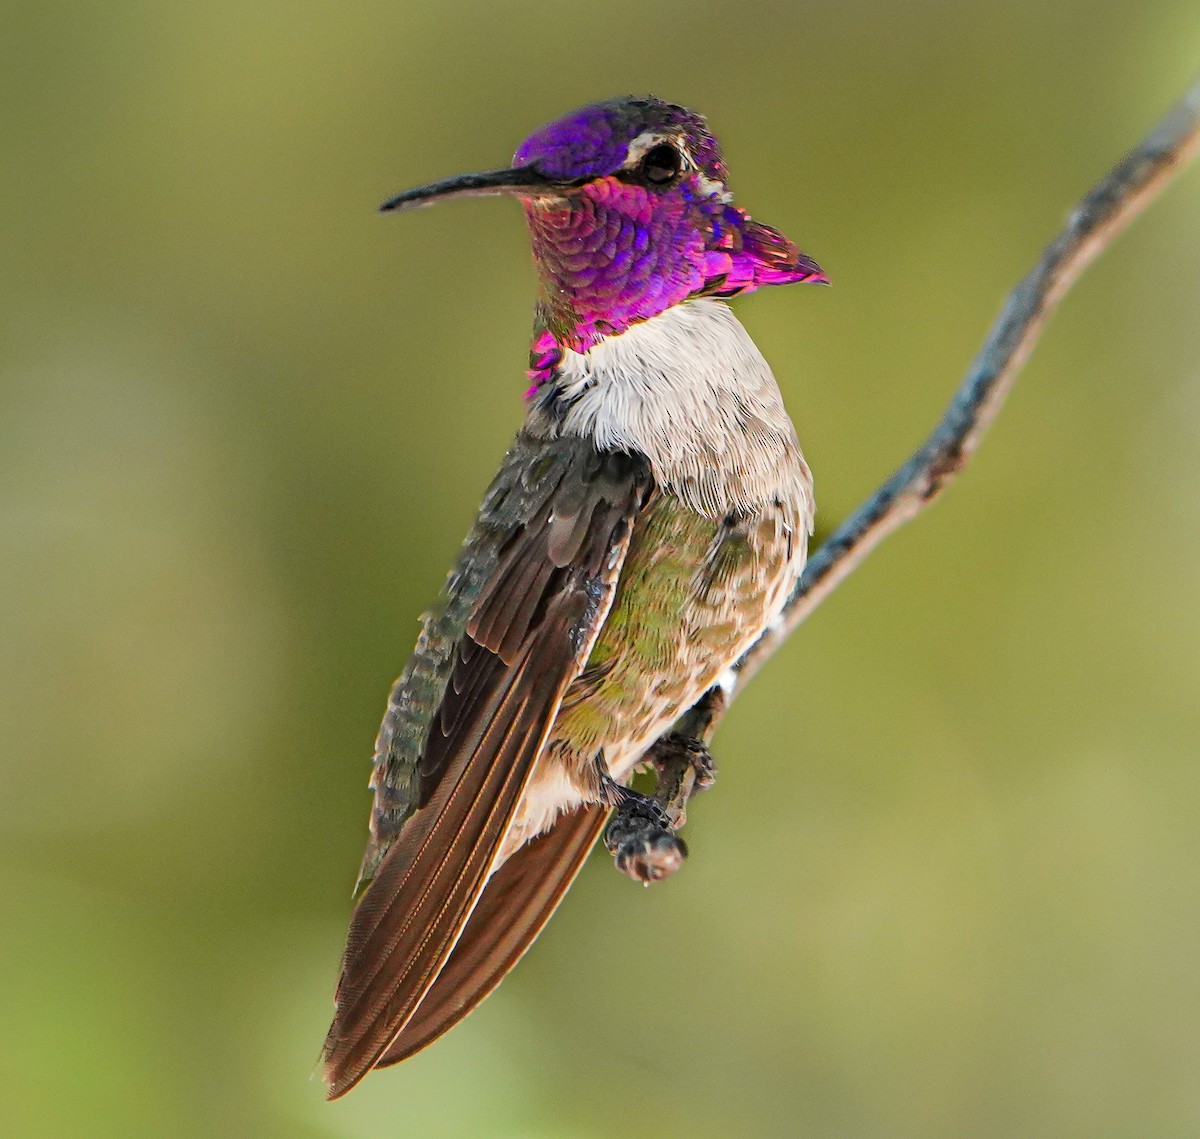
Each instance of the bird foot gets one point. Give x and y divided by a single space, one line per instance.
640 838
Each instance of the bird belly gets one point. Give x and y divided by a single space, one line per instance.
693 595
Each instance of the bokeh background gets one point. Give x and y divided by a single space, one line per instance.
949 881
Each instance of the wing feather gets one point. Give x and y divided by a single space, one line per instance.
528 621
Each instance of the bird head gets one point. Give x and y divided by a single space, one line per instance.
629 213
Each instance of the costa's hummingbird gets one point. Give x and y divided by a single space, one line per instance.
646 526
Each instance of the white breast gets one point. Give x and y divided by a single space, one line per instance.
689 390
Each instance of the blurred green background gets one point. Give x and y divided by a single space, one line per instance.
949 881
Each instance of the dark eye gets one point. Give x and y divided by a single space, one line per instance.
661 165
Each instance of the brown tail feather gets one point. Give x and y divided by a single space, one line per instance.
518 901
412 913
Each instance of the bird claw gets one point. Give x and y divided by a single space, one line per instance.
641 841
642 836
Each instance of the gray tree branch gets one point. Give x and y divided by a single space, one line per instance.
1133 183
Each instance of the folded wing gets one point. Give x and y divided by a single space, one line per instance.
465 724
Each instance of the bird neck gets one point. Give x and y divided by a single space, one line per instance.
611 256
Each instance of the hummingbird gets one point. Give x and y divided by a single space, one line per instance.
646 526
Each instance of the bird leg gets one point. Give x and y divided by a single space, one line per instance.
684 766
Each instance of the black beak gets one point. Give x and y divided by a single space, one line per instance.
520 180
